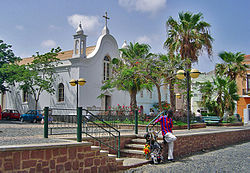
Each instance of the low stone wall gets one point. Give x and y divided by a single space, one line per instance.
51 158
188 144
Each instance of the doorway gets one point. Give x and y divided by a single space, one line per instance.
107 102
248 111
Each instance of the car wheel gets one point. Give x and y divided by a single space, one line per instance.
21 119
35 120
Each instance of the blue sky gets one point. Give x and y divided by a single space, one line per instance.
31 26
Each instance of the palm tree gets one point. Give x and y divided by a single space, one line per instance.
188 37
220 96
233 65
125 76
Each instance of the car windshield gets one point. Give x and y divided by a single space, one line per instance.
34 112
29 112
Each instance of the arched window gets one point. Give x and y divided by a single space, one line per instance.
60 92
150 94
141 94
82 46
76 47
25 96
106 68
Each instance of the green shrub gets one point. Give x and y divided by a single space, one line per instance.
208 114
231 119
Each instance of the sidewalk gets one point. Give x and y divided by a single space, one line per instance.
185 132
132 162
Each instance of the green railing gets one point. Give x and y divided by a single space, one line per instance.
60 121
99 130
116 117
81 121
150 124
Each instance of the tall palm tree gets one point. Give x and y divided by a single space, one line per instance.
188 37
233 65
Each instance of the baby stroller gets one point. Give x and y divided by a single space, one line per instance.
155 147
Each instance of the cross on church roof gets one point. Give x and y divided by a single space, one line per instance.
106 18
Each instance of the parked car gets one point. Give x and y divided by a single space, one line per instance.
10 114
32 116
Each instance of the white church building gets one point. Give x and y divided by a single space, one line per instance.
91 63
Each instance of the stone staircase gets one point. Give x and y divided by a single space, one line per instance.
135 148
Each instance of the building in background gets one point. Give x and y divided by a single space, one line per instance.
91 63
197 95
243 104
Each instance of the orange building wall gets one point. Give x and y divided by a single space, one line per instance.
241 105
241 84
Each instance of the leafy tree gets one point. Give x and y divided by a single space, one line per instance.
36 77
125 76
6 57
233 65
151 68
171 63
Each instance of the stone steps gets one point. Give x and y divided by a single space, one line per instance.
132 153
134 149
138 141
135 146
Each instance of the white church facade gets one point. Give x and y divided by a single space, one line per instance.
91 63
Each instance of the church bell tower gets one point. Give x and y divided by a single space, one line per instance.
79 43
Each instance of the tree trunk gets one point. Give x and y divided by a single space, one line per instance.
133 102
172 95
36 103
159 97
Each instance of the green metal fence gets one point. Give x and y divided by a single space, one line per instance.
81 121
60 121
117 117
95 127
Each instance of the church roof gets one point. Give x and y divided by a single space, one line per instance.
62 55
247 57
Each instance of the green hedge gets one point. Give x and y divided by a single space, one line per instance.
208 114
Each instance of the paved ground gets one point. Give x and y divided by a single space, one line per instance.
234 158
18 133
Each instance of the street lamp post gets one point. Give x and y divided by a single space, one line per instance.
74 82
181 74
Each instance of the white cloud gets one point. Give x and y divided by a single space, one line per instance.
144 39
19 27
48 43
151 6
90 24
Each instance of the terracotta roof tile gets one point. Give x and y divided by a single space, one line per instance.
247 59
62 56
